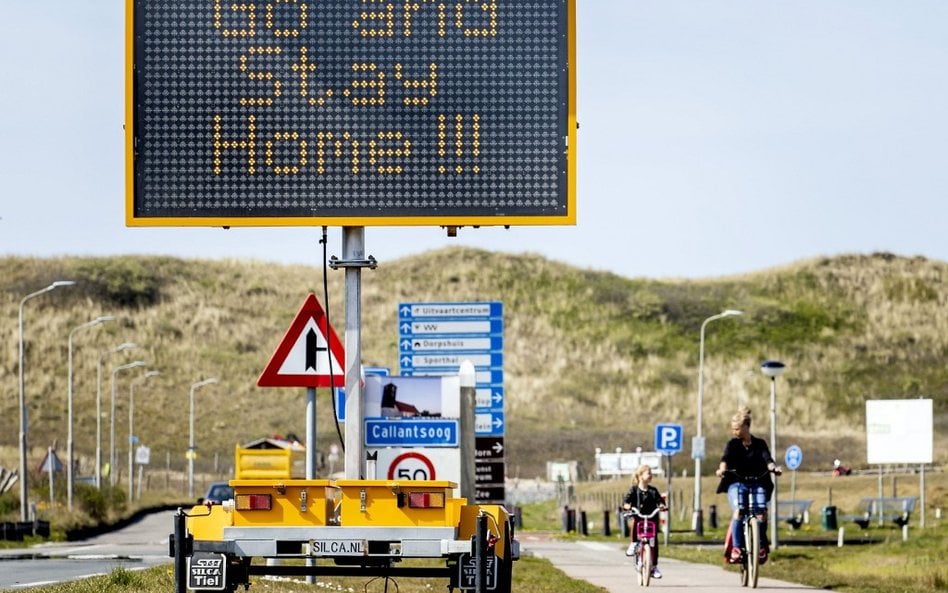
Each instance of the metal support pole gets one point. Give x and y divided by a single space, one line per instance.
311 433
69 422
98 424
131 432
697 518
191 448
353 249
468 446
24 422
774 522
311 449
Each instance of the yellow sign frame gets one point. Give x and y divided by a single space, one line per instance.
132 220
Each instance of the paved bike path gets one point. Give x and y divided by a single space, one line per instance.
606 565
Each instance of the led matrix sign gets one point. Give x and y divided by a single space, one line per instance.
350 112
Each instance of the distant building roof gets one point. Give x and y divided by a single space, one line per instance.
274 443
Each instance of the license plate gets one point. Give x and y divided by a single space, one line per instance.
207 571
337 547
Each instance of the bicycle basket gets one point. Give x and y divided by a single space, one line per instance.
645 529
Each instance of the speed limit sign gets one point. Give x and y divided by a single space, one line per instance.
419 463
411 466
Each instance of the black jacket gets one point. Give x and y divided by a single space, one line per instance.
747 461
645 501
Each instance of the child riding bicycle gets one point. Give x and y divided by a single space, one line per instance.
645 498
746 455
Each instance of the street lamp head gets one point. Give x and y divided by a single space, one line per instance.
151 374
103 319
59 283
210 381
772 368
130 365
729 312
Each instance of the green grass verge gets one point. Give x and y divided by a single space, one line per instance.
531 575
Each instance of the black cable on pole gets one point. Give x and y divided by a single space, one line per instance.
332 382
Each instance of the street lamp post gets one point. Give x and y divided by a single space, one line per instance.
24 493
115 371
69 439
773 369
698 518
131 432
98 409
191 447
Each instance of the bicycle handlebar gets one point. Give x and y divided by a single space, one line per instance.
754 478
637 513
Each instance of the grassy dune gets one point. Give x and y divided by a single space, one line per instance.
591 358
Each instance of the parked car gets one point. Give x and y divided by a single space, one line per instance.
217 493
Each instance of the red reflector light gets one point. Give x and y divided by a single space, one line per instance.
426 500
252 502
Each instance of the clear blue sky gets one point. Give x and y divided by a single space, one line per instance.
716 137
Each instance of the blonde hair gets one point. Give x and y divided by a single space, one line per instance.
640 470
742 417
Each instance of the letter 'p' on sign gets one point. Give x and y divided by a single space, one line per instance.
668 438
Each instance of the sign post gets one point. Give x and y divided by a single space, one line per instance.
669 439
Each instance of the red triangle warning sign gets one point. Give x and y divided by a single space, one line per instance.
305 357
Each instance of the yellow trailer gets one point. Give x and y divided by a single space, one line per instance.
344 528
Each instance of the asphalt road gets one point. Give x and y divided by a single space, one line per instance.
138 546
606 565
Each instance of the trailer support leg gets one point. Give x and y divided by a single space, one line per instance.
480 555
180 559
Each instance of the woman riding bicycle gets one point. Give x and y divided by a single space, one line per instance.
746 455
645 498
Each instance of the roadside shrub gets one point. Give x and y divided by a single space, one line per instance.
9 503
92 501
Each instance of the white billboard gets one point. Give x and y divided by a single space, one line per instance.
899 431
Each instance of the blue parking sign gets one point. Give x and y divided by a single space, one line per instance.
668 438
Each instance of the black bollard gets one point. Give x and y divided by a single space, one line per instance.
582 523
605 523
713 516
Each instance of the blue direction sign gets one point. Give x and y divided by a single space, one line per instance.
793 457
482 378
431 432
489 398
452 360
668 438
414 328
489 423
452 310
452 344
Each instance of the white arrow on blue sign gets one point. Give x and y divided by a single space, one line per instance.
668 438
793 457
489 423
454 310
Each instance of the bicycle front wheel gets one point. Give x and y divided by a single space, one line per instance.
645 564
753 550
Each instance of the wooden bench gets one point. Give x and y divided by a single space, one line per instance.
793 511
897 509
